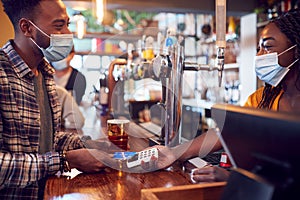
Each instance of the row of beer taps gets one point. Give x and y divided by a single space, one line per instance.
168 67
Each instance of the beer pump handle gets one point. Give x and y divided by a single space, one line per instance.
220 36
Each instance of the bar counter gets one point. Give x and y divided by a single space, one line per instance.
114 184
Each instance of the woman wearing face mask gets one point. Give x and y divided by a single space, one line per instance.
277 64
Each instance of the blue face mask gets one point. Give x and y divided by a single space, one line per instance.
60 65
268 70
59 48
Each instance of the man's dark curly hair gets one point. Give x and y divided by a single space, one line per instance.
289 24
16 9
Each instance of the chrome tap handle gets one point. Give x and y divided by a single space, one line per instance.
188 66
220 63
220 36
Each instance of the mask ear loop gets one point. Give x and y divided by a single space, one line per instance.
35 44
288 67
287 50
39 29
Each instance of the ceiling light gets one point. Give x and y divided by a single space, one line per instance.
100 10
80 21
79 5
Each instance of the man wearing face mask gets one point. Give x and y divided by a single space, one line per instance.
31 145
70 78
277 64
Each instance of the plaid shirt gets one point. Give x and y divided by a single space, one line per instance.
21 165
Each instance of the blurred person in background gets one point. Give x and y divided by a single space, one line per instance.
70 78
71 115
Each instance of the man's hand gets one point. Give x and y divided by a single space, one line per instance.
90 160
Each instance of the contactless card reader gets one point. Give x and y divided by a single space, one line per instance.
145 156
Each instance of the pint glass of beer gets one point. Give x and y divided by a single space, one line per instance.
117 132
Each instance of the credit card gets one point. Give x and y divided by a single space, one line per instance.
123 155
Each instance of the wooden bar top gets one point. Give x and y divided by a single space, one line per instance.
113 184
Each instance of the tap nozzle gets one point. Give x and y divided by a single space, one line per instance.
220 63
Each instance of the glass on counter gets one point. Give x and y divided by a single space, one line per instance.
117 132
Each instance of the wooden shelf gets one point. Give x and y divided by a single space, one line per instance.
83 53
111 36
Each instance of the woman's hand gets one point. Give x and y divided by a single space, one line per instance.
210 174
166 157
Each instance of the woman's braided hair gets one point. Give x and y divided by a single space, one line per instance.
289 24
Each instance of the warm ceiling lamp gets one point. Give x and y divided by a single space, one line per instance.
80 5
99 9
80 25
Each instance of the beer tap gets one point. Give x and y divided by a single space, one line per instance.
171 60
220 43
220 36
168 67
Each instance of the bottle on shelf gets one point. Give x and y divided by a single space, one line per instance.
103 96
235 98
